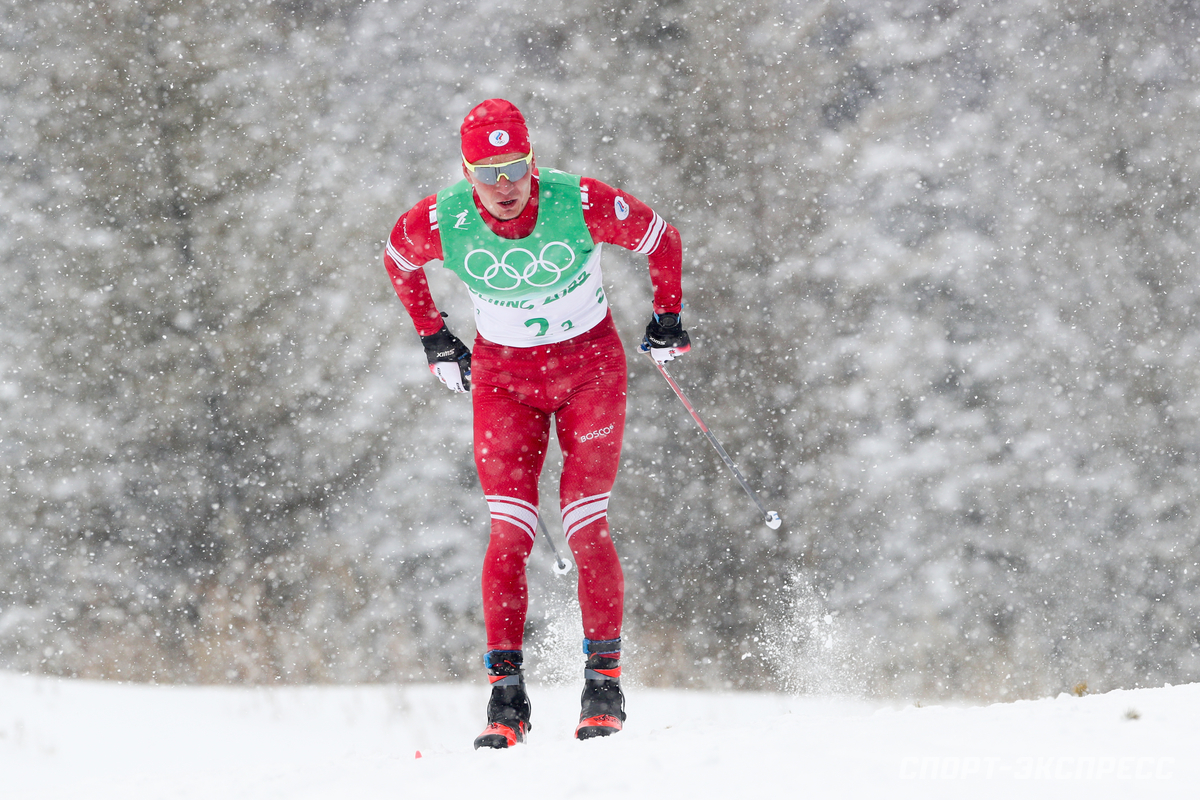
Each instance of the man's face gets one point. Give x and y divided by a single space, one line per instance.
505 199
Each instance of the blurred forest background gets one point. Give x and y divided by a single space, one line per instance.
939 270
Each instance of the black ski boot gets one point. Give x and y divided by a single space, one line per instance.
603 703
508 708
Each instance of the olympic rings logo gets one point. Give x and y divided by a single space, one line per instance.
520 266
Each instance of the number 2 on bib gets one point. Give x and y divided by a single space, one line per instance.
542 324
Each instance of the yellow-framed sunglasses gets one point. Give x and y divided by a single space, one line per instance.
489 174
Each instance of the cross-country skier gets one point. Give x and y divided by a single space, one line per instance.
527 246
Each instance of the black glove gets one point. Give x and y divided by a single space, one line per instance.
449 359
665 338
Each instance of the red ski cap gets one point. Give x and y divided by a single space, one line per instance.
494 127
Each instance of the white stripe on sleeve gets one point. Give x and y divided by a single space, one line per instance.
403 263
653 235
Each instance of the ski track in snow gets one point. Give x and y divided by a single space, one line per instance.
83 739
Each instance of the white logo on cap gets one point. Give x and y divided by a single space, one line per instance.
622 208
498 138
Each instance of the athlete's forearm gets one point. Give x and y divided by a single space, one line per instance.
414 242
666 273
413 290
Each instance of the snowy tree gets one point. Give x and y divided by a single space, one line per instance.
200 385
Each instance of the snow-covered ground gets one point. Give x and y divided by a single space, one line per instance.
79 739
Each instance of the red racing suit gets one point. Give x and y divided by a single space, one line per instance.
518 387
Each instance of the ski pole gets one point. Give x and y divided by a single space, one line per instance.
771 519
561 567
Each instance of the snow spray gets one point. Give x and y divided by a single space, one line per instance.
809 649
557 659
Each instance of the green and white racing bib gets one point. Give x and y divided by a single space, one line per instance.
542 289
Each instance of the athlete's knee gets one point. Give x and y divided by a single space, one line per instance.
512 514
584 512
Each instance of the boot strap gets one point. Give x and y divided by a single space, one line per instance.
504 680
601 646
